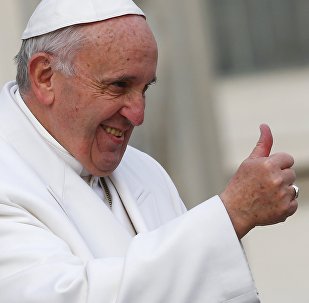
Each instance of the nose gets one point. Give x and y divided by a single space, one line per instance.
134 109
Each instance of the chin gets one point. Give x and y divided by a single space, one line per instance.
104 163
106 169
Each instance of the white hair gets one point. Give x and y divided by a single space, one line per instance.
62 44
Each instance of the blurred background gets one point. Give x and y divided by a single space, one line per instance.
225 67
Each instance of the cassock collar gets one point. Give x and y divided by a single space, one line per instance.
53 143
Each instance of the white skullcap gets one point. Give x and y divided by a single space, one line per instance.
51 15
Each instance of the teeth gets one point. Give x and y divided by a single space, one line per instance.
114 131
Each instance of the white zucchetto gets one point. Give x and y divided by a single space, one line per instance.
51 15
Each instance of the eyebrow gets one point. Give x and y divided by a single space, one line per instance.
126 79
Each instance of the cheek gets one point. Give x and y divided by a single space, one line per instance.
72 105
72 121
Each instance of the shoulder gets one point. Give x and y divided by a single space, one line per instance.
14 169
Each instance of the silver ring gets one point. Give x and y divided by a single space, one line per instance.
296 189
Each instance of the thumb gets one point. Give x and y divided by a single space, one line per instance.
264 145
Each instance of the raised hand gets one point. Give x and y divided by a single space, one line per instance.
261 192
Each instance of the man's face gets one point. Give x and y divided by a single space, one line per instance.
96 110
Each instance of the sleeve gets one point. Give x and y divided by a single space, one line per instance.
195 258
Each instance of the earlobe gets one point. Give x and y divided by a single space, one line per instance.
40 75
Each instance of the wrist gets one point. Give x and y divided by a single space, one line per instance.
239 220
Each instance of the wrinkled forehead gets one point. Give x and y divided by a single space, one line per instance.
124 29
116 41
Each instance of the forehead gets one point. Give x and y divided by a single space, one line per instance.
120 32
116 41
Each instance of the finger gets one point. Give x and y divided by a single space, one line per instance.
264 144
292 193
293 207
282 160
288 176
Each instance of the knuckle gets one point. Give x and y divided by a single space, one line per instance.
277 181
268 164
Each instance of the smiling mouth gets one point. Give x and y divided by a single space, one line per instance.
114 131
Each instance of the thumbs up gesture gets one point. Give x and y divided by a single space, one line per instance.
261 191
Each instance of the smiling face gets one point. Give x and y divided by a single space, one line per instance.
95 111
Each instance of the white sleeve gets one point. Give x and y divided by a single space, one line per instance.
195 258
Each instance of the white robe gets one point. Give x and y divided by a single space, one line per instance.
59 243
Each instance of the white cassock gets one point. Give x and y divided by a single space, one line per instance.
60 243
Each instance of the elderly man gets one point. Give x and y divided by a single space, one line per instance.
86 218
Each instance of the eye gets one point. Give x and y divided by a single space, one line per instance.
118 87
120 84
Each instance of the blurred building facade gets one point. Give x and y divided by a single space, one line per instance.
253 35
225 66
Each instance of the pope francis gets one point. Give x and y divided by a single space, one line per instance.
84 218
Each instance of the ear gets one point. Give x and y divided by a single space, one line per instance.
40 74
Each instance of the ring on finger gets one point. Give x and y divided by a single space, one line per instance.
296 189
